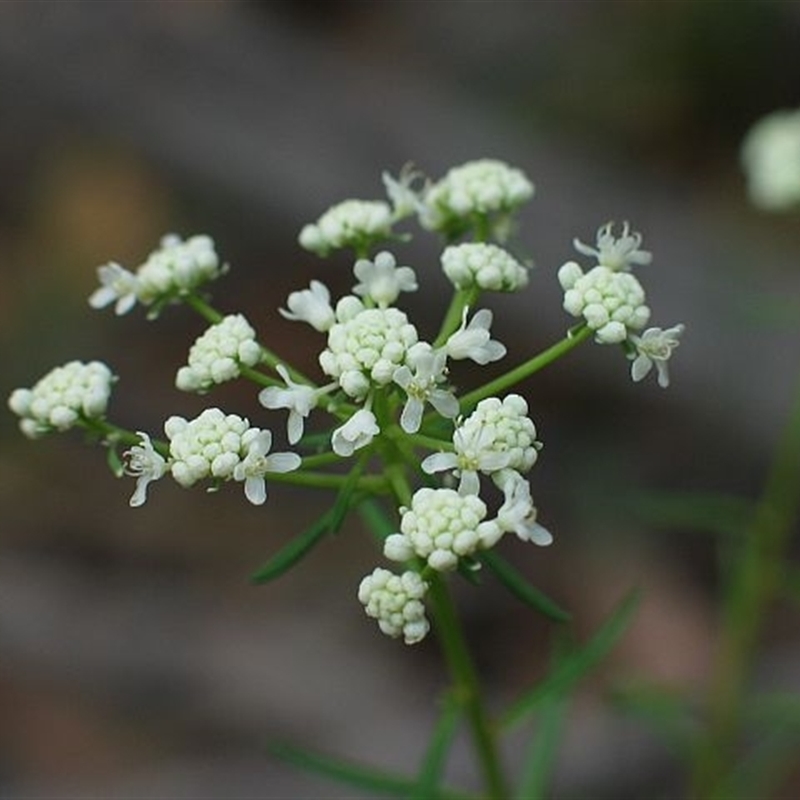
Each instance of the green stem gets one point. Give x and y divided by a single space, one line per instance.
756 581
526 369
203 308
466 685
370 484
462 298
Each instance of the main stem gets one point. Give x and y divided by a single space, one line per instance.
466 683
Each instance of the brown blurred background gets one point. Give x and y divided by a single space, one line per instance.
135 658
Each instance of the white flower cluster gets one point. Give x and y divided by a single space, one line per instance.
612 301
486 266
221 447
440 527
477 189
396 602
177 268
62 397
371 347
381 376
217 354
771 160
498 436
366 346
351 223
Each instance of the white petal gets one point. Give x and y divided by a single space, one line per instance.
640 367
469 483
411 418
255 490
446 403
283 462
438 462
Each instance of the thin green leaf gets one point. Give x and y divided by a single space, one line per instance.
435 759
290 554
543 752
762 770
377 520
345 496
720 514
520 588
666 712
576 665
365 778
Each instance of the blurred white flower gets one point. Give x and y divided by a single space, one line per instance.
771 159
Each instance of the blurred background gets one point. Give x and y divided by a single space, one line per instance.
135 657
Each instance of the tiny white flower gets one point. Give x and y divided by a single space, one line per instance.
616 253
474 340
299 398
311 305
256 464
518 513
395 601
484 265
356 433
771 160
473 454
351 223
654 347
422 386
146 464
117 285
382 280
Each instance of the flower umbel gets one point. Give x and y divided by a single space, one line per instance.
216 355
59 400
352 223
486 266
396 602
441 526
612 303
